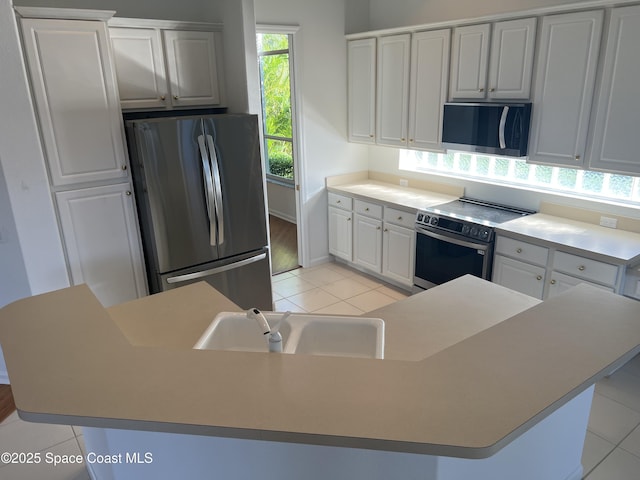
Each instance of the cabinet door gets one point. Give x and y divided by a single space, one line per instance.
519 276
616 142
469 56
429 74
137 54
560 283
100 232
362 90
398 253
393 90
564 86
340 233
76 99
511 66
368 243
192 68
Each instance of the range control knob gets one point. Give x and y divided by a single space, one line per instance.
484 234
434 220
465 229
420 217
474 231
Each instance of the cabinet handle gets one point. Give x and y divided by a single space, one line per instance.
402 139
582 268
366 209
128 193
124 167
539 277
386 229
481 89
577 157
553 282
399 218
519 250
492 89
378 228
175 97
338 201
411 140
349 219
163 97
370 135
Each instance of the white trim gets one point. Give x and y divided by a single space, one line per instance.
534 12
64 13
282 216
270 28
166 24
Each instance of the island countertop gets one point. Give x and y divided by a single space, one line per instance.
469 366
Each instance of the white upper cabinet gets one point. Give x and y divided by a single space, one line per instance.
511 63
137 54
563 94
192 67
469 55
77 99
616 142
165 68
428 93
393 90
361 90
500 72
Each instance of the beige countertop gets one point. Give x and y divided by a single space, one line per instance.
457 379
392 195
607 244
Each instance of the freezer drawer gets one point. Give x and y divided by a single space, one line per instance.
244 279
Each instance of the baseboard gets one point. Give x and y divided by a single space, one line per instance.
4 378
319 261
283 216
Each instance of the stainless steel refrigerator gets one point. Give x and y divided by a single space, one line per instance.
200 198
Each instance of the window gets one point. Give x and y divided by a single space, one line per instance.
515 171
274 54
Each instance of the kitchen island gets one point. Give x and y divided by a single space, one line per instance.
476 378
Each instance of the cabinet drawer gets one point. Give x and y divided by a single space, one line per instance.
524 251
586 268
368 209
340 201
399 217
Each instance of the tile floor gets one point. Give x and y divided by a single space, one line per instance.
612 445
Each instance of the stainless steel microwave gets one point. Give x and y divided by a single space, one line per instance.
496 128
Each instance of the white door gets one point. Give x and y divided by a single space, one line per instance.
511 63
519 276
560 282
341 233
393 90
362 90
469 54
616 142
76 98
192 67
398 253
566 72
139 63
100 232
368 243
428 93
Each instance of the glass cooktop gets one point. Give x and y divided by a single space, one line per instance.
478 211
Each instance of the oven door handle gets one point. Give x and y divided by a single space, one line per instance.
445 238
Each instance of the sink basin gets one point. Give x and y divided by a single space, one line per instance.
302 333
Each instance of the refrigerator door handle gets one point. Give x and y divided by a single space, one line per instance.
213 271
215 167
208 188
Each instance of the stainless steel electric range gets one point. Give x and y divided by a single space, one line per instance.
457 238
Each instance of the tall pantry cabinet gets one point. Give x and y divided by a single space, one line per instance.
77 106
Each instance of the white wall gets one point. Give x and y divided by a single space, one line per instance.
282 201
322 78
400 13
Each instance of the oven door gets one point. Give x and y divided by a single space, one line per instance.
442 256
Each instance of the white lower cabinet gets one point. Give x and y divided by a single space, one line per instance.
368 243
341 233
520 276
398 253
100 232
375 238
543 272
